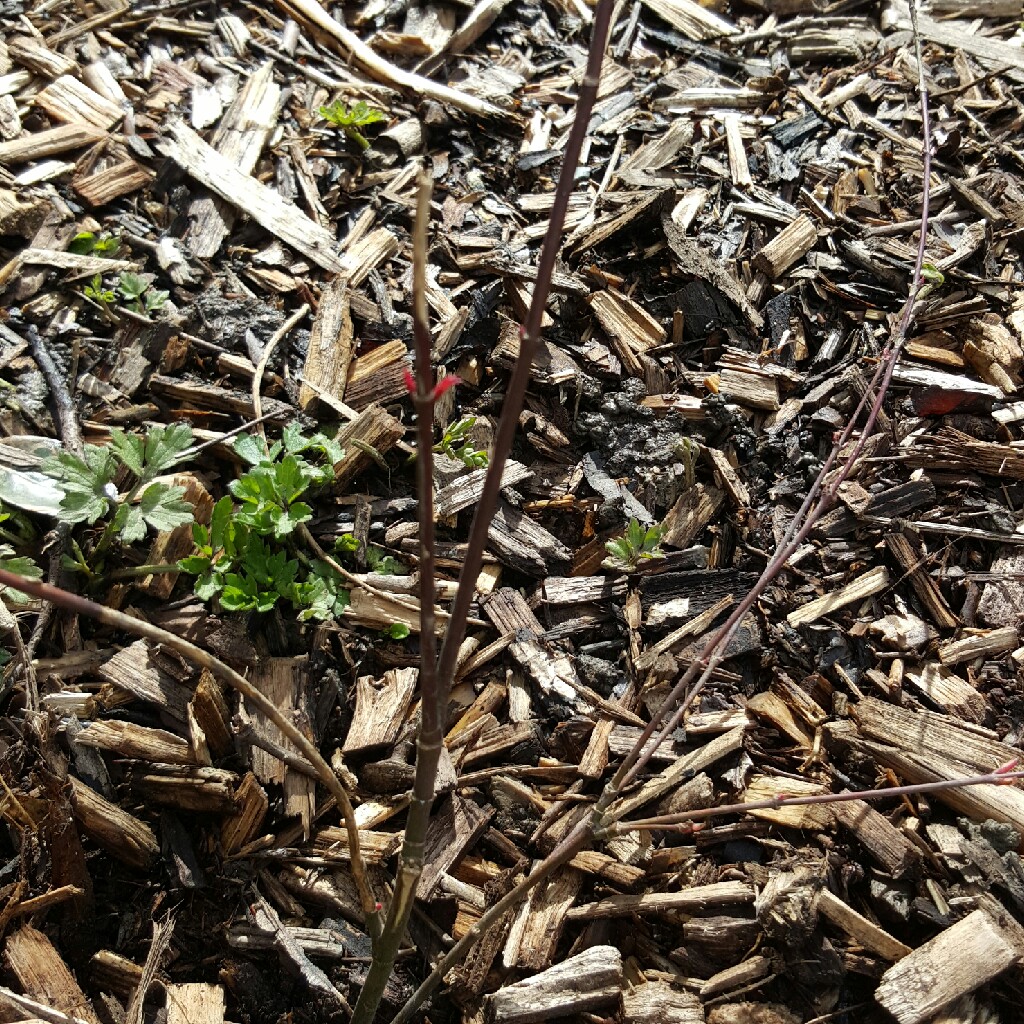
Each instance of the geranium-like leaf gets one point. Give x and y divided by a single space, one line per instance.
163 508
250 448
166 447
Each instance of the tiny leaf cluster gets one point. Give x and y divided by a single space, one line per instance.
134 291
455 444
138 295
350 120
22 566
638 543
88 243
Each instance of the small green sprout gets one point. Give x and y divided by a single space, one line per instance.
636 545
383 564
87 243
350 120
90 493
98 292
932 279
135 293
21 566
465 453
138 295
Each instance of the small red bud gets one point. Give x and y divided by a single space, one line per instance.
410 382
449 380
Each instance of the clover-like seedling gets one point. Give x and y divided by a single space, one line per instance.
138 295
638 544
88 243
99 292
350 120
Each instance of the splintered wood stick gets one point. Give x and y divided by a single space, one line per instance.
276 215
859 928
584 982
738 166
353 48
870 583
49 143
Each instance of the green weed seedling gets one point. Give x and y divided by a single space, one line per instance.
932 277
636 545
23 566
16 528
350 120
90 494
138 295
134 292
243 559
384 564
465 453
99 292
88 243
376 558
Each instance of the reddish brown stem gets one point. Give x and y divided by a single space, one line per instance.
712 653
429 740
683 694
505 436
671 821
529 341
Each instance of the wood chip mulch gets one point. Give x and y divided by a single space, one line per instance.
741 239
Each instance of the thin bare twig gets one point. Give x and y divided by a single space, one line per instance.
40 1011
529 342
672 821
365 57
71 437
430 737
261 367
514 398
809 513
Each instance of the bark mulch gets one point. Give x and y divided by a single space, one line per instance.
739 246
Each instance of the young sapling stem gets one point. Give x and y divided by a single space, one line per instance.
433 699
